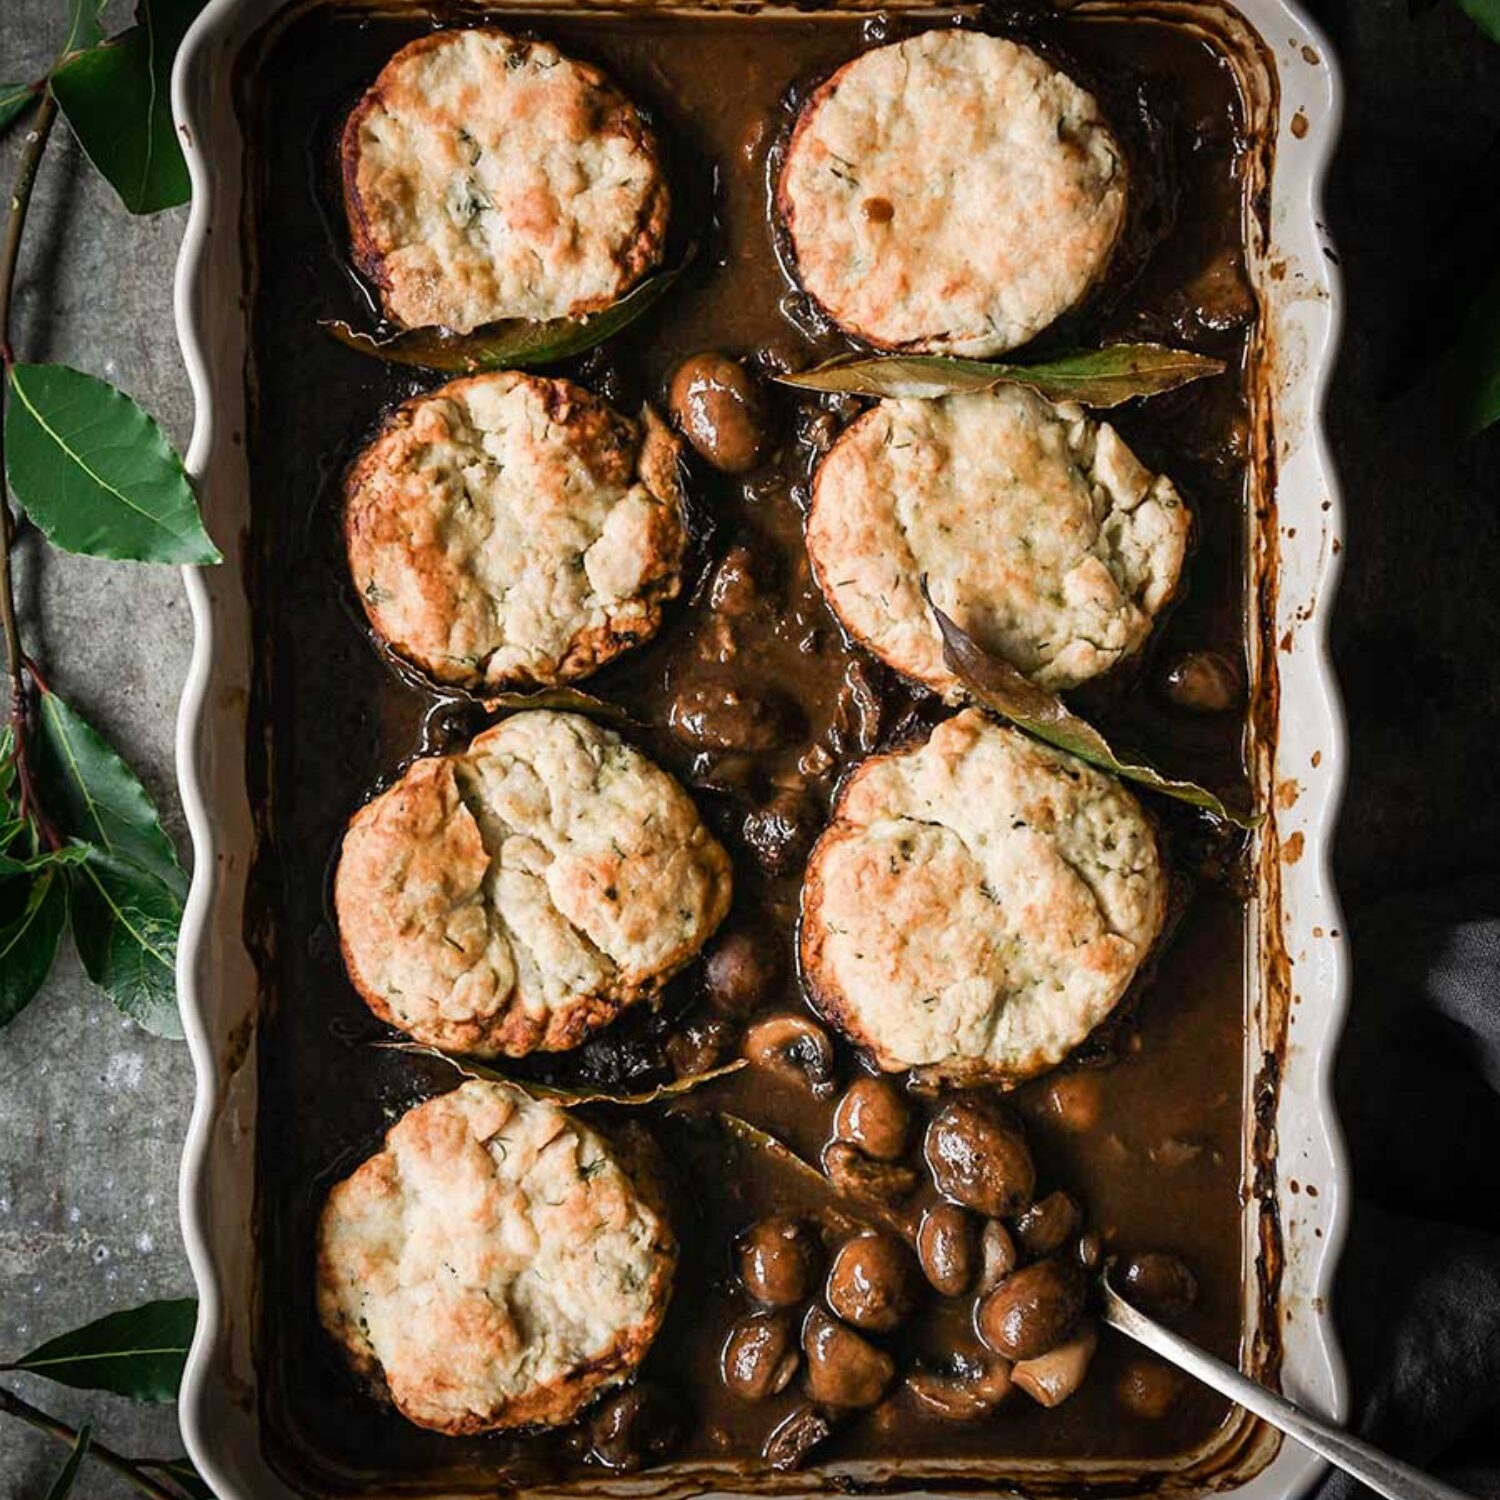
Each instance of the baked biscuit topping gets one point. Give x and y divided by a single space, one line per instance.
492 1265
1036 529
518 895
952 193
510 529
978 904
487 177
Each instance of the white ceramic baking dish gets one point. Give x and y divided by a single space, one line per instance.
1296 1185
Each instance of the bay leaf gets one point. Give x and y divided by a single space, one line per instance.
564 700
62 1486
125 923
32 918
95 474
516 344
773 1148
182 1474
94 797
569 1098
138 1352
117 98
7 765
12 865
1485 14
1094 377
84 26
14 99
1005 690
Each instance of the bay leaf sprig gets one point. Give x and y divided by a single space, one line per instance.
67 1476
515 344
1485 14
138 1353
1005 690
1098 378
571 1097
81 845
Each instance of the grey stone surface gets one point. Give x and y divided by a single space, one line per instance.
92 1109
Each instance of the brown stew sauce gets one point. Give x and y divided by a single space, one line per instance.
1157 1162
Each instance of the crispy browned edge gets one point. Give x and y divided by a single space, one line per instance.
642 253
658 454
786 221
556 1402
514 1034
832 1004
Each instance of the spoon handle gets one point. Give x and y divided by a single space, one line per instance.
1382 1473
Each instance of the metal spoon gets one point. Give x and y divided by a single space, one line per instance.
1385 1475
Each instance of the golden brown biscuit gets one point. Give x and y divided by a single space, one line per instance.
1036 529
978 904
493 1265
513 530
518 895
951 193
487 177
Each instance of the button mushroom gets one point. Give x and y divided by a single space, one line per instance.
792 1440
778 1261
843 1369
743 969
720 409
873 1116
780 832
1148 1389
794 1048
1157 1283
1054 1376
998 1255
859 1176
872 1282
1204 682
947 1249
760 1356
979 1157
1033 1310
1047 1224
972 1390
634 1427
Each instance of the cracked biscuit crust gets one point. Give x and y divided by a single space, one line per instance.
1036 528
493 1265
516 896
978 904
512 530
952 193
487 177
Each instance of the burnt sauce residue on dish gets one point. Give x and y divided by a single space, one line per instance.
752 698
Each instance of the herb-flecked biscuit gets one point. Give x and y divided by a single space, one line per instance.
951 193
517 895
493 1265
513 530
978 904
487 177
1035 526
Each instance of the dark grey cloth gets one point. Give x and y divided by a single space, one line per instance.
1417 1298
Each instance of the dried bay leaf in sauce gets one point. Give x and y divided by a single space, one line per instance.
516 344
1007 691
566 1097
1099 378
